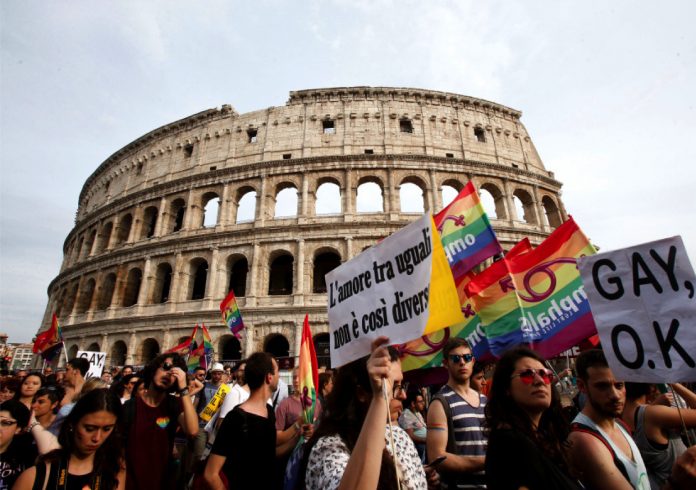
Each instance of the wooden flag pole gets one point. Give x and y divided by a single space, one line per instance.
391 434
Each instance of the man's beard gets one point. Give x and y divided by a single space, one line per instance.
603 411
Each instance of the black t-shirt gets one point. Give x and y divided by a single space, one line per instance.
513 460
248 442
19 456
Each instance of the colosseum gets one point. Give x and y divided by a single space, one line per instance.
265 203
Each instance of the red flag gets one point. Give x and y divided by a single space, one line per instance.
185 347
49 338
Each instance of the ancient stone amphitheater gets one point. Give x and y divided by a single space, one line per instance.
265 203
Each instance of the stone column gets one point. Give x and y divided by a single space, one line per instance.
435 195
261 203
299 273
348 204
145 282
166 339
539 210
349 248
510 210
227 206
253 279
136 225
105 348
391 204
190 210
304 205
178 281
132 346
114 233
161 218
211 290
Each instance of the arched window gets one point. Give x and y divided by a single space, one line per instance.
553 216
70 300
411 197
493 201
328 199
199 278
448 194
124 228
321 347
177 214
107 292
104 236
246 207
93 347
149 349
280 279
149 222
524 206
277 345
80 244
369 199
238 267
230 349
286 203
163 283
323 264
133 281
85 298
72 351
211 209
118 353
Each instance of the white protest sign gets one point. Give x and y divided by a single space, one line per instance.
400 288
644 306
96 362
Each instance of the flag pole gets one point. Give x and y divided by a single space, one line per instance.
391 434
65 352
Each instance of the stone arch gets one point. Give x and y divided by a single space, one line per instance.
524 204
238 268
106 293
322 343
104 237
449 190
198 272
210 203
148 350
177 213
277 345
246 205
230 348
84 299
93 347
286 201
370 196
60 303
124 228
412 195
149 222
132 289
493 201
72 351
328 197
89 243
280 278
78 250
324 262
163 284
553 215
70 299
118 353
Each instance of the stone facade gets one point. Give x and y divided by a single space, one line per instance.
150 256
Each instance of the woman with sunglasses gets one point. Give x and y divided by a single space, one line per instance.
528 433
90 455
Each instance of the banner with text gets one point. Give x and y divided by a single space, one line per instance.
401 288
96 362
644 306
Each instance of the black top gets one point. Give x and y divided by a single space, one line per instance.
19 456
248 442
513 460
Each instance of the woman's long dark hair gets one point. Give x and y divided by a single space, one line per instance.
109 457
345 413
501 410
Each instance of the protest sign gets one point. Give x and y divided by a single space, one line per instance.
96 362
643 303
401 288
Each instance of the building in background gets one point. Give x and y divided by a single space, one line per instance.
22 356
265 203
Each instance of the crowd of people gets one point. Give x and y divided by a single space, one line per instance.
496 426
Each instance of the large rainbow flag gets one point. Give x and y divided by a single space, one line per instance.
207 345
188 345
466 233
49 342
537 298
309 377
231 315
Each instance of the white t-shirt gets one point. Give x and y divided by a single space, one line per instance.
236 396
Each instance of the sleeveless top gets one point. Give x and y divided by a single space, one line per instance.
59 478
658 458
637 474
469 436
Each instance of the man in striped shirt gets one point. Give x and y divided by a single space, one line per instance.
455 422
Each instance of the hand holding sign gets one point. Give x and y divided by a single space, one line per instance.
378 365
642 299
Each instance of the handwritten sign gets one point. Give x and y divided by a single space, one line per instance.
401 288
644 305
96 362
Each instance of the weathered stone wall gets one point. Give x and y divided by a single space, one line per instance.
141 213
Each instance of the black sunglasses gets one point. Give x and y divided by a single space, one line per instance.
456 358
167 366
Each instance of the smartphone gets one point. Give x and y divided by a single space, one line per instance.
436 462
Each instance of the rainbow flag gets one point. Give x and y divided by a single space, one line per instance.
466 233
231 315
537 298
207 346
196 358
309 378
46 342
184 348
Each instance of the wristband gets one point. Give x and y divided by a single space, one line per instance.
183 392
32 425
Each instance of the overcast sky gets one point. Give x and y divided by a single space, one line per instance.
607 92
